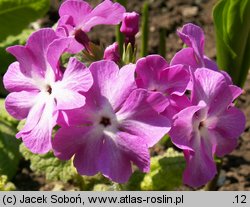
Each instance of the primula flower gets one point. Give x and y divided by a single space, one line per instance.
112 53
38 88
155 74
77 18
209 127
115 127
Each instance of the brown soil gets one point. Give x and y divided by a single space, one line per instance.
170 14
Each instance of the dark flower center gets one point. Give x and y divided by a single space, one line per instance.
48 89
105 121
201 124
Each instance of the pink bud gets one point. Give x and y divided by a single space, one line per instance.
130 24
112 53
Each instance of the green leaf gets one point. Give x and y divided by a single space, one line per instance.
53 168
9 145
166 172
5 185
89 182
15 15
135 181
232 26
102 187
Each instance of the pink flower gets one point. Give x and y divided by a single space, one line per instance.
77 18
209 127
115 127
155 74
39 89
112 53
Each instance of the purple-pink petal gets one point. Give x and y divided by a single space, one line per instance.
135 149
200 166
18 104
38 139
88 155
55 49
34 115
148 70
193 36
112 83
229 124
185 56
210 64
138 116
78 10
176 104
77 77
67 141
14 80
182 132
25 58
174 80
112 162
112 53
107 13
211 87
33 56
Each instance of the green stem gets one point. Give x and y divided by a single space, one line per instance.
119 36
162 43
145 30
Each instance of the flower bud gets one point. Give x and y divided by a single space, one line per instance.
130 24
112 53
82 38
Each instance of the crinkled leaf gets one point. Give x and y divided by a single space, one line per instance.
53 168
9 145
89 182
165 173
5 185
102 187
232 26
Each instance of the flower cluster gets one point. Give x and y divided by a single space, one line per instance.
109 117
